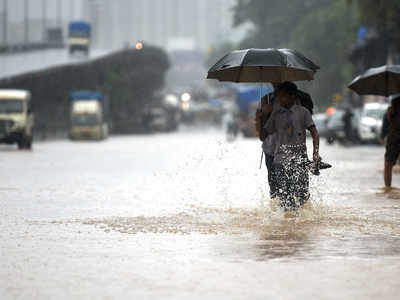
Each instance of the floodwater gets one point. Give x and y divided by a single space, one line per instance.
187 216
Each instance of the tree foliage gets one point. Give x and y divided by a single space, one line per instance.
383 15
320 29
326 37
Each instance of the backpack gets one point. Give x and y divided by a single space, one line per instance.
305 100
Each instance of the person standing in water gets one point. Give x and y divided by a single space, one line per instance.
393 140
290 166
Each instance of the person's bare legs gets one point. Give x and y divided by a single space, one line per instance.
387 174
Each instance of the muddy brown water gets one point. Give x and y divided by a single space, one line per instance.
147 218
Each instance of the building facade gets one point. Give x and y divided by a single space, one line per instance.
160 22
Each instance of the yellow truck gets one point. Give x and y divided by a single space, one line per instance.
16 118
89 116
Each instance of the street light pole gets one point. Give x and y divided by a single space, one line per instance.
72 10
94 20
44 20
26 23
5 23
59 12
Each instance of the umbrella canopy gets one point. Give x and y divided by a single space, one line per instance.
263 65
381 81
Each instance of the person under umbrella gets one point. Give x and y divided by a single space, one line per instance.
381 81
384 81
290 166
265 65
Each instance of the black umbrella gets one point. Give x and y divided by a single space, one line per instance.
382 81
263 65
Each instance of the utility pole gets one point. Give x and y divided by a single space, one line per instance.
44 20
93 7
26 22
72 10
59 13
5 23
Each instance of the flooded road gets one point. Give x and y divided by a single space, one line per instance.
187 216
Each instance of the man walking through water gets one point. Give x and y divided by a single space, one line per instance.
290 166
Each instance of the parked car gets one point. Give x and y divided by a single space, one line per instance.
370 123
335 126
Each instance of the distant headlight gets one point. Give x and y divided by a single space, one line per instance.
185 97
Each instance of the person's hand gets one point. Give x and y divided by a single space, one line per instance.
382 141
316 159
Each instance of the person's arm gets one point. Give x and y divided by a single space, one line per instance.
309 124
385 127
315 137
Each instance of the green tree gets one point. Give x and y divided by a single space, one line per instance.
383 15
273 20
326 36
320 29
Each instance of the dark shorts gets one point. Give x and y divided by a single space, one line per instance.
291 184
392 152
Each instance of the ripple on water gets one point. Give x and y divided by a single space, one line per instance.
317 230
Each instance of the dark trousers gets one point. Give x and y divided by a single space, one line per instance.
291 184
269 160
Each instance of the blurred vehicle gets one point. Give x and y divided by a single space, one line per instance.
89 116
335 127
79 34
16 118
206 113
248 101
320 121
172 106
164 116
158 119
161 119
55 37
370 123
231 123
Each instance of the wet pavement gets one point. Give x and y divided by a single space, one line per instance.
186 216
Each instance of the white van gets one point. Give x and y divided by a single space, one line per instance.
370 124
16 118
